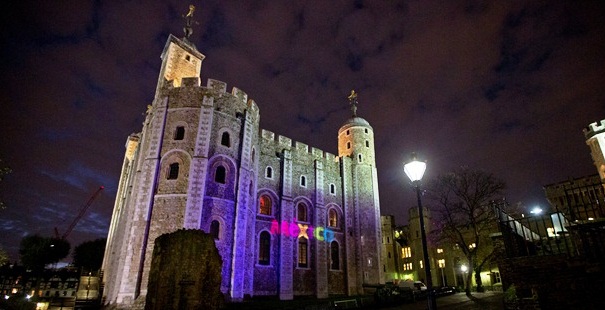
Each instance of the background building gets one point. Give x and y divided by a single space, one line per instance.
288 219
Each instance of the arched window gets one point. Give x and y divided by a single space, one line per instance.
301 213
179 133
367 143
269 172
332 189
225 139
265 205
303 181
173 171
348 145
302 252
264 248
333 218
219 175
215 228
334 256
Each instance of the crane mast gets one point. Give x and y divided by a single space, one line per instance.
80 215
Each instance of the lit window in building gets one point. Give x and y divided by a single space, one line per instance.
264 248
265 205
439 250
334 256
406 252
225 139
472 246
179 133
301 213
220 174
173 171
421 264
551 232
441 263
407 266
332 218
302 252
215 229
496 277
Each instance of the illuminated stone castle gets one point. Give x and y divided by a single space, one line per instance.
288 219
595 139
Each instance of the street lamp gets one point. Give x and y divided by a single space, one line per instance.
415 170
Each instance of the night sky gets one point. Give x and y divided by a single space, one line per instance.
503 86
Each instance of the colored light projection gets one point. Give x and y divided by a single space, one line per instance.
297 230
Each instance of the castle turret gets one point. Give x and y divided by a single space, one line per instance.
595 139
356 152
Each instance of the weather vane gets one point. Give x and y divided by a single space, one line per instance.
189 21
353 102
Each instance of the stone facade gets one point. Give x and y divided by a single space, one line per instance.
288 219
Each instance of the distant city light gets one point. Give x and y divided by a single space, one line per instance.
591 218
536 210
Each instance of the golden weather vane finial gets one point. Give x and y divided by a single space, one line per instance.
189 21
353 102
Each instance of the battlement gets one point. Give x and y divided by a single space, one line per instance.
300 148
594 129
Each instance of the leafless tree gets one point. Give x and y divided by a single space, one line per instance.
463 201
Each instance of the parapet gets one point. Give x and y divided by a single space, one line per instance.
267 135
284 142
301 147
190 81
218 86
594 129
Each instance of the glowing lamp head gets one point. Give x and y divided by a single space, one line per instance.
536 210
415 169
463 268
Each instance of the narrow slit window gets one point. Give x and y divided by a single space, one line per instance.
334 256
220 175
269 173
179 133
302 252
225 139
303 181
332 189
173 171
264 248
215 227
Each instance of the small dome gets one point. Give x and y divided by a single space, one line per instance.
355 121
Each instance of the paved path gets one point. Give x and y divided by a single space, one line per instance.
459 301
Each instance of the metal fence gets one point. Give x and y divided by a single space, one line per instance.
554 234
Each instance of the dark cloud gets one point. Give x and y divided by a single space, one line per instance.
502 86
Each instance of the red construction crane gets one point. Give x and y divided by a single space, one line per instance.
80 215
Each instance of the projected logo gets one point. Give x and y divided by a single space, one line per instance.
297 230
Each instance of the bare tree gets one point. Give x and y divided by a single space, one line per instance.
3 171
464 204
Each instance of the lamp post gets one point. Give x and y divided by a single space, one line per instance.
415 170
